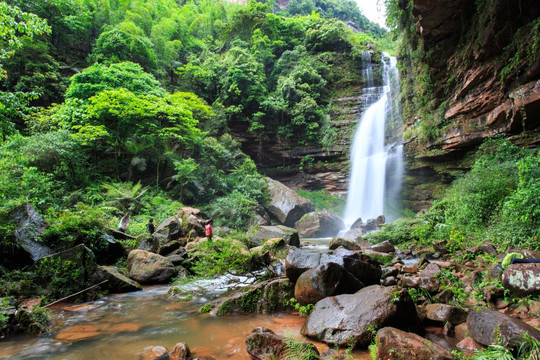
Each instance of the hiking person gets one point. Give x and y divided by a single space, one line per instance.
208 229
122 226
151 227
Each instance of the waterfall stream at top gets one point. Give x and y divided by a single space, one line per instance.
376 154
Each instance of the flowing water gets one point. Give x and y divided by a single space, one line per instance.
122 326
376 157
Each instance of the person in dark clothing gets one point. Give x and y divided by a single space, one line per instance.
151 227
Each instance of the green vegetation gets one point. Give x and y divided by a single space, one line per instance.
496 201
323 200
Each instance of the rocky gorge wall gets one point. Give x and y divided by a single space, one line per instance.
470 70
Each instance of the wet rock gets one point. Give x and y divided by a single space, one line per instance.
148 242
429 284
389 271
445 313
484 325
346 319
78 332
180 351
146 267
263 344
169 247
260 234
172 229
298 261
461 331
468 344
325 280
286 205
319 224
444 297
346 244
262 218
116 281
395 344
522 279
26 246
264 297
431 270
384 247
353 234
154 353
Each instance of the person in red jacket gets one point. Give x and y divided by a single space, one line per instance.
208 229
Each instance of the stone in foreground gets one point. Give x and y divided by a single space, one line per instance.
346 319
395 344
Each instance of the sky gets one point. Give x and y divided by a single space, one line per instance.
373 10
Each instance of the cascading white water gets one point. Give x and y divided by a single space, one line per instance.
376 168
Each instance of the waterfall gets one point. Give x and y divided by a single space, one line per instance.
376 164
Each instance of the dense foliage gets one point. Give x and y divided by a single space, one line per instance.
497 201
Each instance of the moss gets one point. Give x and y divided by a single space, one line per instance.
206 308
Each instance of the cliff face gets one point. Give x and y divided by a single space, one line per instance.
483 61
470 70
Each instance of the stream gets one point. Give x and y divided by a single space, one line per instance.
122 326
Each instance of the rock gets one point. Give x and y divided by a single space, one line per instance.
431 270
109 251
148 242
319 224
78 332
429 284
461 331
169 247
468 344
325 280
522 279
384 247
180 351
154 353
344 243
146 267
445 313
259 234
262 218
170 230
116 281
353 234
444 297
299 261
263 344
264 297
485 324
395 344
28 247
286 205
440 247
351 319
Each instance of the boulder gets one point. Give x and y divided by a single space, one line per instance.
468 344
446 313
28 227
430 284
351 319
259 235
146 267
325 280
148 242
154 353
431 270
485 325
170 230
384 247
319 224
264 297
365 269
169 247
344 243
261 218
352 234
395 344
263 344
180 351
109 251
286 205
116 281
522 279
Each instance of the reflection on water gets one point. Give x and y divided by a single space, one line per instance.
121 326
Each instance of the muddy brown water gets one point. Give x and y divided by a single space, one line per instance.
122 326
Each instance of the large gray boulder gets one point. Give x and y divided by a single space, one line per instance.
286 205
319 224
351 319
28 228
260 234
394 344
116 281
485 325
81 256
365 269
522 279
325 280
344 243
146 267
